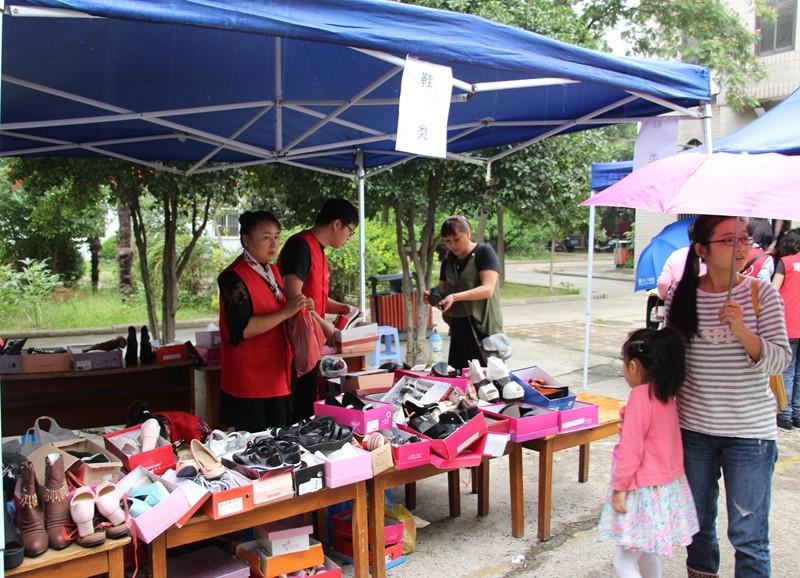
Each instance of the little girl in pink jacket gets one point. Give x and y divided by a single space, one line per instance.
649 507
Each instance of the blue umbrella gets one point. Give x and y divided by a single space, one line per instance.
652 258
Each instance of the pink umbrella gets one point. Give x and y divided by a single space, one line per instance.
763 185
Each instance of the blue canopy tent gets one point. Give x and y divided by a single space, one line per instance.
604 175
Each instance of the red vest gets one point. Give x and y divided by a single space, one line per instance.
316 282
259 366
758 258
790 291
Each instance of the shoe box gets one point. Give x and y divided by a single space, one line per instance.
93 360
86 474
209 562
343 527
46 362
391 553
363 421
266 566
210 339
232 501
171 353
470 436
211 356
460 383
348 470
10 364
522 376
368 380
159 459
580 416
310 477
497 437
285 536
521 429
411 455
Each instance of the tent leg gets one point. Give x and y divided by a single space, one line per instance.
707 136
362 237
588 313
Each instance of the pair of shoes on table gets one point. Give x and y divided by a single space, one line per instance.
349 400
517 411
320 433
222 443
142 498
269 453
105 499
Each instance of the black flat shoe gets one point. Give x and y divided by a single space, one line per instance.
323 434
14 551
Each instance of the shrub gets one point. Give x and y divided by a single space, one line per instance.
28 288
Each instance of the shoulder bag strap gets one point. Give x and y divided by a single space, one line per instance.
754 297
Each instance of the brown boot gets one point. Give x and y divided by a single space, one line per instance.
30 519
692 573
56 507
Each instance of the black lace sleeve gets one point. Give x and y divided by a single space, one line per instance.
238 307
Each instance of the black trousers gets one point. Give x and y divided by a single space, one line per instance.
463 344
305 394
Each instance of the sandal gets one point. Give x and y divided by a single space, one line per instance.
323 434
209 463
260 453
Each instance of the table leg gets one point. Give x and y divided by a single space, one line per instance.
321 525
517 490
116 563
482 477
583 463
360 544
158 557
545 489
375 511
474 474
411 496
454 492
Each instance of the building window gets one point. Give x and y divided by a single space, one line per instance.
778 35
228 223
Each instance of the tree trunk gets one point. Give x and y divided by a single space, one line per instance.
552 257
480 233
94 249
169 266
407 294
501 245
124 250
140 235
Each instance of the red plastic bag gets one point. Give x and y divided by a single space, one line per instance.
307 340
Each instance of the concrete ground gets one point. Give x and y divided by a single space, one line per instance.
550 333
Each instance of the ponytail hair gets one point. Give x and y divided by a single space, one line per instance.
662 356
683 310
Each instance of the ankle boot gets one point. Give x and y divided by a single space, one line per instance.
132 353
30 519
56 507
692 573
146 356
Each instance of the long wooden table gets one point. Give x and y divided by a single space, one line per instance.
607 426
202 527
76 562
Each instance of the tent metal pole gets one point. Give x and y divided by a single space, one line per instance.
2 467
588 314
708 144
362 237
278 95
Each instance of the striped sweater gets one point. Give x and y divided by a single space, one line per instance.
726 393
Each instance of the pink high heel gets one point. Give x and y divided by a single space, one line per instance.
150 432
107 498
81 508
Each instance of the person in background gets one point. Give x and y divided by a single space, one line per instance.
649 506
760 263
304 267
256 356
468 278
787 282
725 406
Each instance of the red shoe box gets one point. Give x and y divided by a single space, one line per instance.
171 353
345 546
157 460
412 454
472 433
343 527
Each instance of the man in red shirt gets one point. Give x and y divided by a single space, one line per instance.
304 267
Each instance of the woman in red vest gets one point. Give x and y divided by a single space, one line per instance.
787 281
256 355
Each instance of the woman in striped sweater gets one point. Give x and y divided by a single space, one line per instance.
726 409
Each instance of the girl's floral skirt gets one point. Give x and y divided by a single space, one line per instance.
658 518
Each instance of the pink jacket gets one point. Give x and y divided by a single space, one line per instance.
650 451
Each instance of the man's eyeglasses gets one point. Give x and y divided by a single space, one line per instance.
351 229
729 241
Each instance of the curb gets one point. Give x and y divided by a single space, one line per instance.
552 299
107 330
606 276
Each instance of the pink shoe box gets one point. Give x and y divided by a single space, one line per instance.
10 364
332 570
343 527
497 437
526 428
412 454
230 502
581 416
468 459
273 487
285 537
362 421
208 339
93 360
212 356
472 433
348 470
460 383
210 562
154 522
157 460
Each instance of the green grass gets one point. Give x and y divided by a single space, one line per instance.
520 291
80 308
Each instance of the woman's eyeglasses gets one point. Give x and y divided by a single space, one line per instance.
730 241
351 229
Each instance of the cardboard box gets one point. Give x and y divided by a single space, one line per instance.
46 362
90 474
285 537
268 566
522 376
230 502
542 424
171 353
382 459
155 521
363 421
210 562
581 416
157 460
368 380
37 459
10 364
207 339
92 360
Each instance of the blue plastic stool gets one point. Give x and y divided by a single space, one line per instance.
387 348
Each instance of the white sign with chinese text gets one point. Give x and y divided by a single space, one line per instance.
425 93
658 139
